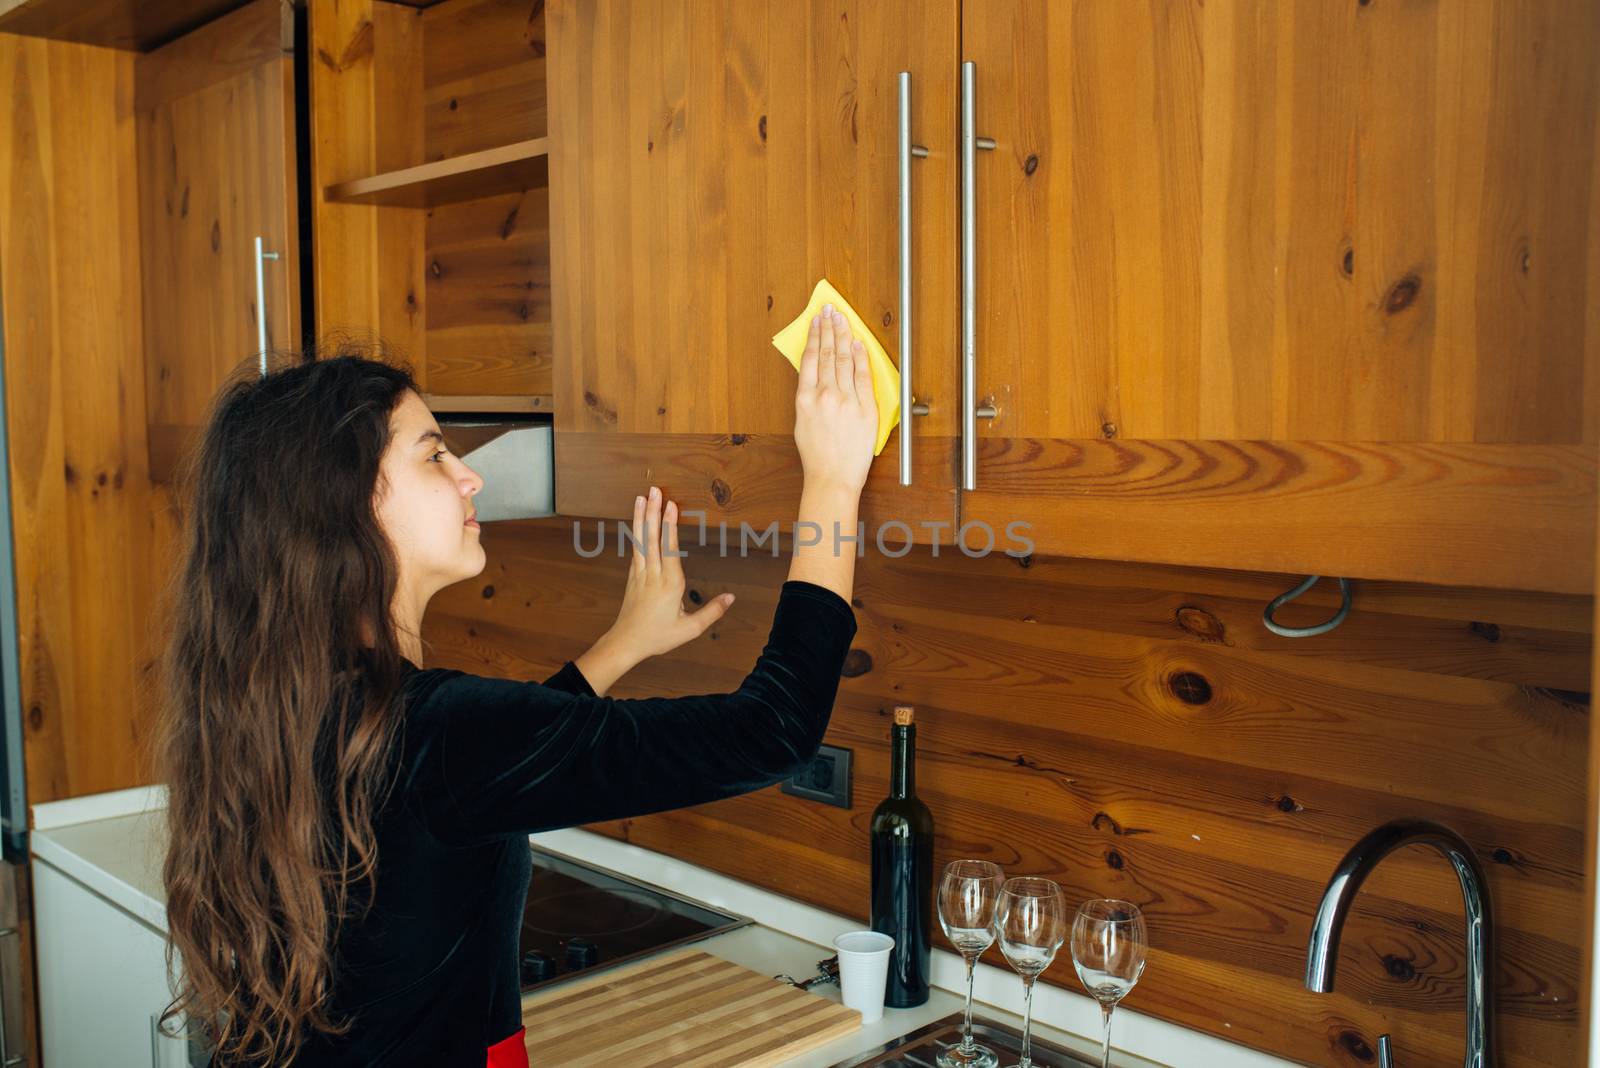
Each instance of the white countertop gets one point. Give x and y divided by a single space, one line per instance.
113 844
115 850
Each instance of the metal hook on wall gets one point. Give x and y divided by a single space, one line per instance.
1307 632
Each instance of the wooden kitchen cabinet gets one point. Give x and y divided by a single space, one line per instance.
1298 288
430 193
1291 287
216 134
709 163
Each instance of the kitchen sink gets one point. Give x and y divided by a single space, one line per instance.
919 1048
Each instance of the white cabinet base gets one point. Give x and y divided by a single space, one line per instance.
102 980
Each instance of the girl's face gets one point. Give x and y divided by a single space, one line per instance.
425 503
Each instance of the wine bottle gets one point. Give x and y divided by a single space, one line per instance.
902 870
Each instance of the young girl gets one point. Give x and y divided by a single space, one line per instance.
349 858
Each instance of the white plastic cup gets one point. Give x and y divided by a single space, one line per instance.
864 971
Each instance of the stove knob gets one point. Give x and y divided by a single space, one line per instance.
537 967
582 953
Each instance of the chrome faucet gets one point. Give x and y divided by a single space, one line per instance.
1347 878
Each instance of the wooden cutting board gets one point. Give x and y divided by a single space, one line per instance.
686 1009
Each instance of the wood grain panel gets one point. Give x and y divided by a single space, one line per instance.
1538 169
366 118
92 538
1515 516
1324 221
524 404
1133 729
483 74
235 44
461 288
488 295
706 171
216 170
743 478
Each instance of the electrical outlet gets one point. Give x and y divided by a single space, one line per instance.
825 779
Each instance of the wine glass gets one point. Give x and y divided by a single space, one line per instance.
1030 919
1108 946
968 891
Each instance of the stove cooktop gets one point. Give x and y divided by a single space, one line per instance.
580 917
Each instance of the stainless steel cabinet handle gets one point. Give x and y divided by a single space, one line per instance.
908 405
261 301
971 411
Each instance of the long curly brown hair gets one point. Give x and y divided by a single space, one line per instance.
280 699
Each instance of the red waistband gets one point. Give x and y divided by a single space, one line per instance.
510 1052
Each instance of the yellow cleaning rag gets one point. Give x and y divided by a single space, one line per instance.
791 341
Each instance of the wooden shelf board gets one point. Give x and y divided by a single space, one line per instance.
503 169
532 403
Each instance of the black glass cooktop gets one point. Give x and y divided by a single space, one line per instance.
580 917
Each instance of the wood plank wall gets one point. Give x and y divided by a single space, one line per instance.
92 537
488 258
460 290
366 119
1133 730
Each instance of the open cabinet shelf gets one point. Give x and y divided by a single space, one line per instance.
430 168
503 169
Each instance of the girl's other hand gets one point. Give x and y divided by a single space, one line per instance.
653 620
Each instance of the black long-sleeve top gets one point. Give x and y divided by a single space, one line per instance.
431 974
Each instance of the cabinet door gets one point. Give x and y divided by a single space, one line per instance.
94 956
1295 287
710 162
216 172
